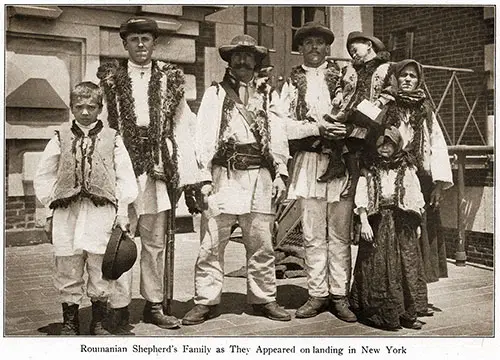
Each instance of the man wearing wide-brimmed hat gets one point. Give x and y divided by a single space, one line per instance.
242 152
145 102
326 212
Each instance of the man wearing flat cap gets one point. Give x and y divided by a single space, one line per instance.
145 102
242 152
326 212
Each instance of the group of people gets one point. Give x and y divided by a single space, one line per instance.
254 147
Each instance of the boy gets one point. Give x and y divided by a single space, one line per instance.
85 176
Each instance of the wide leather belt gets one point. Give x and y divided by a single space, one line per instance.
240 157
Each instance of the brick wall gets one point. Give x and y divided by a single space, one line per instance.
446 36
206 39
20 212
478 246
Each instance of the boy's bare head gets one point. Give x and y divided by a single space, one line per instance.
86 102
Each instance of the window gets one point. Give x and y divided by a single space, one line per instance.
302 15
259 23
401 44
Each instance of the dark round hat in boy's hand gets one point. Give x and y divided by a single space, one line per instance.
120 255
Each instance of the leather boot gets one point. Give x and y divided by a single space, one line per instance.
153 314
336 168
341 309
313 307
198 314
99 316
272 311
71 324
118 321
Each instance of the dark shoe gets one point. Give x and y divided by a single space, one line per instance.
272 311
427 312
336 169
198 314
118 321
313 307
99 317
341 309
153 314
71 324
411 324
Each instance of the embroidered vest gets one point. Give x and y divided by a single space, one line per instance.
367 84
85 169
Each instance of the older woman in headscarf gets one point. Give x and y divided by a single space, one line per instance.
412 113
389 203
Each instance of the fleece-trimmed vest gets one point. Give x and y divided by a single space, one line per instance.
85 168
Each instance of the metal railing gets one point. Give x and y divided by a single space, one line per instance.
451 88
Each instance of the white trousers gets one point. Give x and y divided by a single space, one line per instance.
327 242
257 239
152 229
68 278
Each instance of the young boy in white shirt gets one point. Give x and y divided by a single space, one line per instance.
85 176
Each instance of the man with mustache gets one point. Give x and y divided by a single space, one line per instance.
145 103
242 151
326 210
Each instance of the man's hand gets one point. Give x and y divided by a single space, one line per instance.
279 189
205 191
436 194
122 222
47 228
333 131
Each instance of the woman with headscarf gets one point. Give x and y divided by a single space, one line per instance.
389 203
412 113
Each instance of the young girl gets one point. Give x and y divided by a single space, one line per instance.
389 203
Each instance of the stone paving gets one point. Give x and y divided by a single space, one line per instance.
463 302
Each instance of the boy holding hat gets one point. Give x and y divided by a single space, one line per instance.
85 176
326 211
145 102
242 152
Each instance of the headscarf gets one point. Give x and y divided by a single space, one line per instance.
414 104
418 94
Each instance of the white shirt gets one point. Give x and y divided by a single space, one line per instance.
308 166
82 226
140 76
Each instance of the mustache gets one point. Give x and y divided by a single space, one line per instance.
242 66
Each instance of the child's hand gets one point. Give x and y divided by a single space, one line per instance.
122 222
366 231
419 232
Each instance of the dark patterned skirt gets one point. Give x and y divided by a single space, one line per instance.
388 283
432 244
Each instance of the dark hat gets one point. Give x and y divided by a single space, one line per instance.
139 25
120 255
242 43
378 45
313 29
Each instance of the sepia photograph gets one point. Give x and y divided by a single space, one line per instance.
249 171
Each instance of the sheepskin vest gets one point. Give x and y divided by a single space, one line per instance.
86 166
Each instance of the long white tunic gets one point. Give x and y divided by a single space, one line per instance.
82 226
153 196
435 151
236 191
308 166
